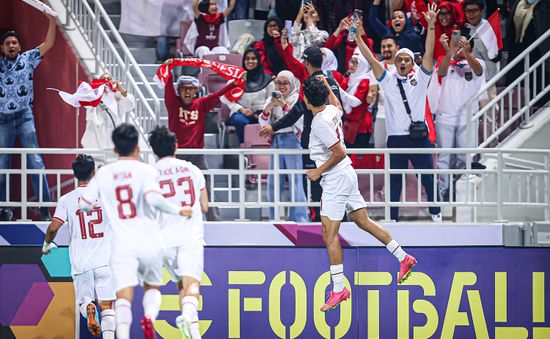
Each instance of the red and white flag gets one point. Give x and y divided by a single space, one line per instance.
228 72
87 94
489 32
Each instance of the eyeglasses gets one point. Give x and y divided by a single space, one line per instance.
282 83
353 62
250 58
186 88
444 14
472 10
406 60
274 24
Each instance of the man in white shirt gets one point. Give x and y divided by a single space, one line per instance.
461 76
414 86
182 183
340 188
130 195
89 251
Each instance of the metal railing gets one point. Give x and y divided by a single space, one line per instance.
514 182
122 65
519 96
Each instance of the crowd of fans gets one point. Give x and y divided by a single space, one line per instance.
308 38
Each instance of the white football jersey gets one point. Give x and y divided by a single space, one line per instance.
121 187
326 132
181 183
90 241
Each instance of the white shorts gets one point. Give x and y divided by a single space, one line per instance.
340 194
185 261
95 284
131 271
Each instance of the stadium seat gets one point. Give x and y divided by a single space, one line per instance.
253 140
238 27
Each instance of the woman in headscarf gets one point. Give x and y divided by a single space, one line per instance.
362 85
276 106
400 27
330 65
259 86
449 18
270 48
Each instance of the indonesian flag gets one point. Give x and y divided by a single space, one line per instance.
42 7
88 94
228 72
489 32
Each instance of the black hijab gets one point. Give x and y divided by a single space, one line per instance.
256 79
275 59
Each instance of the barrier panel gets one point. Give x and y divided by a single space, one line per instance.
276 292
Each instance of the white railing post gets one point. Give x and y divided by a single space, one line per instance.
24 190
276 185
242 192
527 93
500 169
387 192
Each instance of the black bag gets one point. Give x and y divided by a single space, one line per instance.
418 130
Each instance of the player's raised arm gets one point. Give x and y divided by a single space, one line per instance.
156 200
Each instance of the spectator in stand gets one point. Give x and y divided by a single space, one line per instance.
406 103
240 12
288 138
270 47
339 38
186 118
16 103
305 31
103 119
363 86
448 20
461 77
330 65
208 33
400 27
474 12
259 86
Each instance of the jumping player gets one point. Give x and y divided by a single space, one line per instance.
340 189
129 193
89 251
182 183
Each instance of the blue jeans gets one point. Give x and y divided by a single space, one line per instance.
240 11
162 50
239 120
288 161
21 125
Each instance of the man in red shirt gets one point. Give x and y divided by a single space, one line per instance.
187 116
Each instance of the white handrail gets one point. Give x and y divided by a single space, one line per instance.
492 114
521 187
108 58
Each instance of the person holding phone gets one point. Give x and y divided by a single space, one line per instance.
270 48
277 106
450 18
305 31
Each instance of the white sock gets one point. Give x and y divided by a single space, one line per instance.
151 303
83 307
123 309
108 324
396 250
337 273
189 307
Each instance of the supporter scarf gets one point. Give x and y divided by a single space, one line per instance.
229 72
88 94
213 19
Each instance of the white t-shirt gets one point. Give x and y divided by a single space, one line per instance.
121 187
457 87
326 132
381 113
415 86
181 183
89 245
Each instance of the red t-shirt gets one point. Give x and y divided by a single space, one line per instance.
188 121
209 33
361 111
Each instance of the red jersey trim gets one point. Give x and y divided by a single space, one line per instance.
58 219
86 201
336 143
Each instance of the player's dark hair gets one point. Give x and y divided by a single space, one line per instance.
83 167
8 34
390 37
315 91
465 32
125 137
162 141
479 3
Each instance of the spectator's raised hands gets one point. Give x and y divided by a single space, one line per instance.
444 40
284 39
360 29
431 15
169 61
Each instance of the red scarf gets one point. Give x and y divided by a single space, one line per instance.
213 19
228 72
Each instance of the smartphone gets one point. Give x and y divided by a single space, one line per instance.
288 26
276 95
305 2
455 36
357 14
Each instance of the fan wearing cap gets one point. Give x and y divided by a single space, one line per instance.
16 103
398 119
187 116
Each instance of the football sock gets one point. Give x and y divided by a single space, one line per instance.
108 324
151 303
396 250
83 307
337 273
189 307
123 309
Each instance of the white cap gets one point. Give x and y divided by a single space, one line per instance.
405 51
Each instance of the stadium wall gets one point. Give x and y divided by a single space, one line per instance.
275 291
55 121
